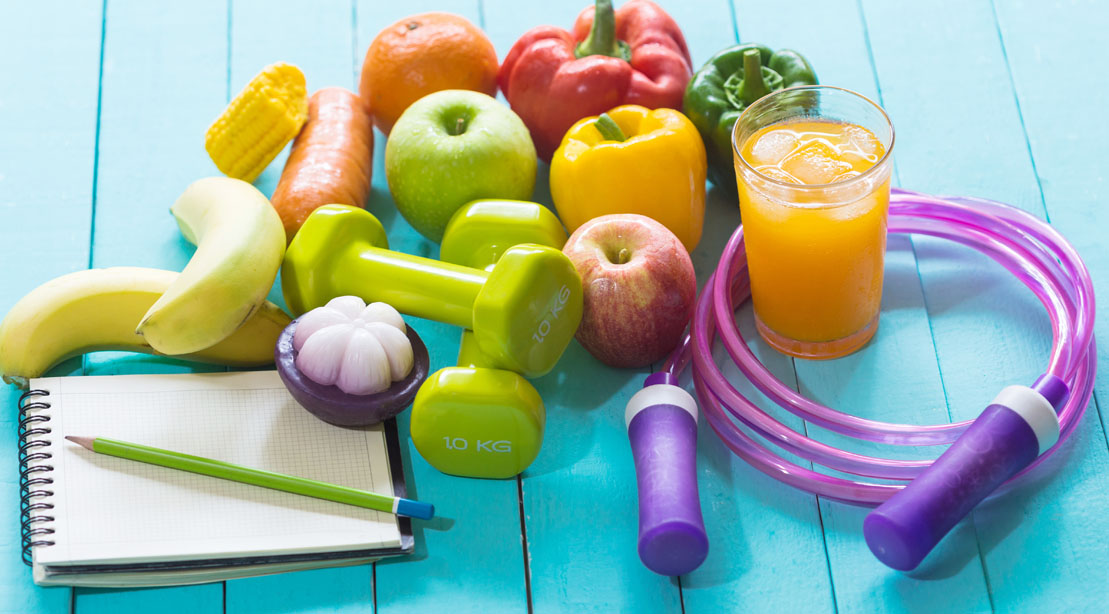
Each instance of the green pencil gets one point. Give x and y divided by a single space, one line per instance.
256 477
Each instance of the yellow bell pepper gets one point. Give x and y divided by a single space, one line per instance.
632 160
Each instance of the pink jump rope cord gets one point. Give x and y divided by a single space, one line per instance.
1031 249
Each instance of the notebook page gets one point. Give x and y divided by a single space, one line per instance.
121 511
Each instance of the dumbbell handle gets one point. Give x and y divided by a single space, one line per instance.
417 286
478 235
470 354
1018 426
662 428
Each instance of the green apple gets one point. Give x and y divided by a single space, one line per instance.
452 147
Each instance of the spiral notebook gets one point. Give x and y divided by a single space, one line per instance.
95 520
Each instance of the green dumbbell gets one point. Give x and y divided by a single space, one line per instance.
480 232
476 420
523 312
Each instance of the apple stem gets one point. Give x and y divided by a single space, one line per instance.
624 256
459 126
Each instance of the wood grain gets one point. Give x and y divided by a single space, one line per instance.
50 59
471 558
317 38
164 78
1063 512
984 98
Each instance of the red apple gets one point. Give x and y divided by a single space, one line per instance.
639 288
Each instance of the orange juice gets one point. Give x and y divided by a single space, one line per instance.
814 216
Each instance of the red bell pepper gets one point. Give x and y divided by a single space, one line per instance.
635 55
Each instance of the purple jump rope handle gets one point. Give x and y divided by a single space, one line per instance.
1018 426
662 427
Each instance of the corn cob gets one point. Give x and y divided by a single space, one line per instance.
259 122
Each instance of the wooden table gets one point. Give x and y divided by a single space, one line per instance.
102 111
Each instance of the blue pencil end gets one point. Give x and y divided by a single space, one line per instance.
415 509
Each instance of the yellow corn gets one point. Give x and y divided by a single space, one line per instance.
259 122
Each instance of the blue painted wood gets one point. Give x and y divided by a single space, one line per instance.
580 497
48 120
316 37
895 377
164 78
766 548
341 589
967 121
989 331
1065 512
585 468
505 22
766 551
471 558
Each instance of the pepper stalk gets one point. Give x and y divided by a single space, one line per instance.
754 81
609 129
602 35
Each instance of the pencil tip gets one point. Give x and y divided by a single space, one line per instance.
84 442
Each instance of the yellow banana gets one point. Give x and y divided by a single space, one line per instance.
97 309
240 242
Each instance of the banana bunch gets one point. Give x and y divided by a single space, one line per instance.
213 311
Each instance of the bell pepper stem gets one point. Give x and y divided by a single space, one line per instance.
609 129
602 35
754 85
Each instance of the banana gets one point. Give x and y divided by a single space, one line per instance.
240 242
96 310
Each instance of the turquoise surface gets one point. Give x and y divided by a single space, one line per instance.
102 114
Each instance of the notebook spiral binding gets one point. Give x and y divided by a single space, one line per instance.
34 473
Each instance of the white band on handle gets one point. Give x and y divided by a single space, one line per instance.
1036 411
659 394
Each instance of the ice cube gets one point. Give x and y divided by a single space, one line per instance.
815 163
844 176
861 142
773 172
773 146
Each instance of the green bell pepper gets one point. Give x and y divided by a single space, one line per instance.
726 85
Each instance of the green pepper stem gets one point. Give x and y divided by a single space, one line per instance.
609 129
602 35
754 85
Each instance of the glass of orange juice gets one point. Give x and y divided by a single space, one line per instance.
813 169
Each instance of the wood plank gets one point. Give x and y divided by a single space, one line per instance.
585 469
50 57
766 549
895 377
470 559
341 589
749 517
776 563
1063 520
580 497
165 71
989 331
505 22
316 37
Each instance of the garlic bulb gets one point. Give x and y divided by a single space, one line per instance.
360 348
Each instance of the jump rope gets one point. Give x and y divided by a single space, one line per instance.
1021 428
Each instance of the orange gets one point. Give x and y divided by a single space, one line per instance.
422 54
